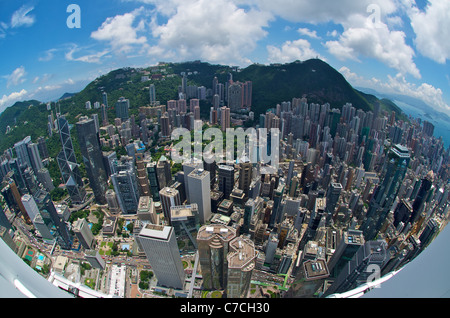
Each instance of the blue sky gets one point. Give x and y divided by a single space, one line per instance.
392 46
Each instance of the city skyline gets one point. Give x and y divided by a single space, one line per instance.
391 46
112 203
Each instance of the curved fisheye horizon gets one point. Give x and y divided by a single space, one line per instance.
231 149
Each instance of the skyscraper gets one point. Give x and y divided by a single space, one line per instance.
384 195
153 180
333 193
419 201
125 185
225 178
309 279
199 193
83 233
161 248
152 93
35 158
169 197
245 176
88 140
143 183
224 118
122 107
360 269
350 242
241 262
213 246
51 219
235 96
68 165
21 149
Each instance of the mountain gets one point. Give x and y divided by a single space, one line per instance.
272 84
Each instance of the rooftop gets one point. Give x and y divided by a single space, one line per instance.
315 269
156 231
242 254
210 231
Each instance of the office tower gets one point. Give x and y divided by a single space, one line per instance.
164 172
402 213
225 178
88 140
146 210
113 203
271 248
161 248
165 125
224 118
169 197
153 180
384 195
152 95
143 183
31 181
429 233
199 193
4 221
245 176
30 206
309 279
210 166
241 262
43 175
421 198
83 233
35 158
13 199
350 242
52 220
68 166
21 149
94 258
277 211
213 245
42 147
184 219
360 269
125 185
122 107
188 167
333 193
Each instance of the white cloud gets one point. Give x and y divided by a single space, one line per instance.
308 32
121 33
215 31
48 55
16 77
291 51
88 58
22 18
432 29
425 92
362 37
8 100
324 10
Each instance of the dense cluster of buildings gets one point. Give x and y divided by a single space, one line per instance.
355 192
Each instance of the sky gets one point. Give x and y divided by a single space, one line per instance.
48 47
